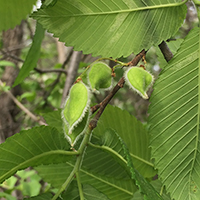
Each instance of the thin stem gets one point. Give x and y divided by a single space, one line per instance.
92 125
21 106
42 71
120 64
79 186
77 165
101 106
114 60
65 184
108 149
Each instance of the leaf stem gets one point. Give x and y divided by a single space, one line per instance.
108 149
79 186
77 165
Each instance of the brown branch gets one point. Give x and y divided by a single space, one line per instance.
42 71
168 55
72 71
21 106
58 77
120 84
8 54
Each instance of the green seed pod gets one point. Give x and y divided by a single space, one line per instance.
99 76
73 136
139 80
76 106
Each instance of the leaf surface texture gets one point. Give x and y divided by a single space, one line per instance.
112 28
174 121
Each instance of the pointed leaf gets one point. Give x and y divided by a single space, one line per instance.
117 148
13 12
33 55
174 121
41 145
112 28
99 76
76 105
139 80
118 189
89 192
133 133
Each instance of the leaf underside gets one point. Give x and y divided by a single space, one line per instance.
174 122
12 12
112 28
40 145
133 133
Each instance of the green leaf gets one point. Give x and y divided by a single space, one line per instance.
44 196
48 3
174 121
76 105
133 133
53 119
157 185
40 145
112 28
6 63
116 147
99 76
33 55
118 182
90 193
139 80
55 174
173 46
13 12
7 196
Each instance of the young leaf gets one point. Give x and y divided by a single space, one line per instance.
113 28
99 76
174 121
139 80
76 106
33 55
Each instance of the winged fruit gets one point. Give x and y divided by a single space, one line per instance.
139 80
99 76
76 112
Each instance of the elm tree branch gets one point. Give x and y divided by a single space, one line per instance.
168 55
